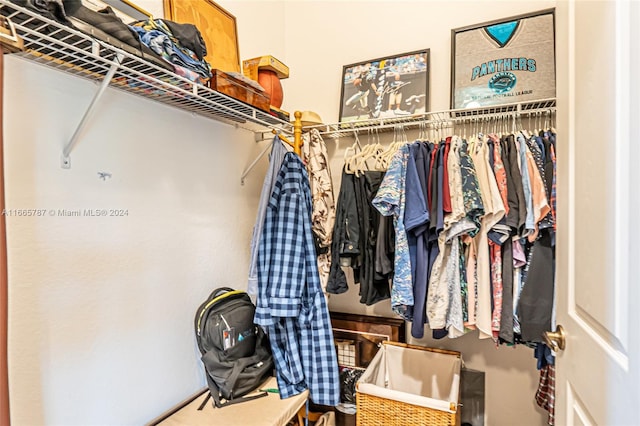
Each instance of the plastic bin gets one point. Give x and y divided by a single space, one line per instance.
409 385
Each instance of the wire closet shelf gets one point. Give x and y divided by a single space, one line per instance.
444 118
63 48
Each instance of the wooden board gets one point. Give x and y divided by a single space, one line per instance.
365 332
218 28
267 411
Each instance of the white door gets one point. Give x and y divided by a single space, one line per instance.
598 279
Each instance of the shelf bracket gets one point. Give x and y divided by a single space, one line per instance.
66 161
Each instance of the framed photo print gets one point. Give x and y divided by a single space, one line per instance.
504 61
388 87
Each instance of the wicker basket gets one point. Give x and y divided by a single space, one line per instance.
427 395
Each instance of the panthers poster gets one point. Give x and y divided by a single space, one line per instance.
506 61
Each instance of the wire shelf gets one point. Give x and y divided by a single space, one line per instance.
442 118
63 48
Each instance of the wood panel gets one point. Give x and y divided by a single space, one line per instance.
4 377
218 28
365 332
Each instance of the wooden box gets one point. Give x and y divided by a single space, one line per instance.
240 90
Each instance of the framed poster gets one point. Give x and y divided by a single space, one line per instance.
393 86
504 61
217 26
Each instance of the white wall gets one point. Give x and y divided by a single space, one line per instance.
101 309
321 37
324 35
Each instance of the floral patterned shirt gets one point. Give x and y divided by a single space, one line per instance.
390 201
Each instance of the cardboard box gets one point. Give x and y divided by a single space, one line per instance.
250 67
240 90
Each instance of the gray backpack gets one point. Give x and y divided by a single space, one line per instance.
235 351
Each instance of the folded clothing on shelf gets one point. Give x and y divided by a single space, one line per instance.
158 36
52 9
106 26
103 25
189 36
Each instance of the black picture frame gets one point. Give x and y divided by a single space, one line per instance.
401 79
487 61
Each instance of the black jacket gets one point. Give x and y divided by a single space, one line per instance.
345 245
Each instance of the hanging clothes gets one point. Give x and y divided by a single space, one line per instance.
278 151
345 238
536 302
529 224
291 306
390 201
497 236
363 240
314 155
416 220
374 282
435 228
546 392
515 217
473 235
445 305
418 235
474 210
493 213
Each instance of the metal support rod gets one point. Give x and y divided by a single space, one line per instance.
253 164
103 86
336 129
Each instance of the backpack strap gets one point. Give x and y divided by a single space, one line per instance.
219 291
233 401
240 365
204 402
242 399
214 392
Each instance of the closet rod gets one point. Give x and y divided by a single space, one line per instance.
335 130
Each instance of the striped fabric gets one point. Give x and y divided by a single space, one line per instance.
546 394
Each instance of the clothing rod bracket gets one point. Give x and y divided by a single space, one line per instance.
66 161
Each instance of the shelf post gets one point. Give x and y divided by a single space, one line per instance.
66 161
297 133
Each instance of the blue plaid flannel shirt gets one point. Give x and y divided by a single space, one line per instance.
291 306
